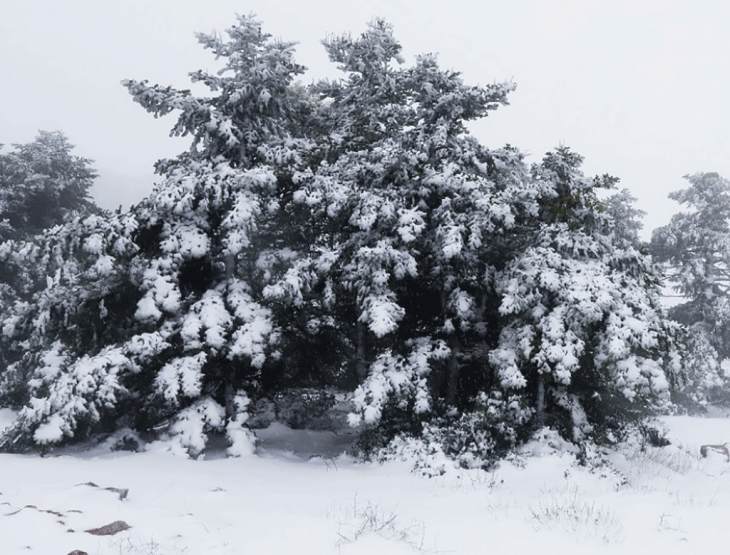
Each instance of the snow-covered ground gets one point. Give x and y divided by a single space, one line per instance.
662 500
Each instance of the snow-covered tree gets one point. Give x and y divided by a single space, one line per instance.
40 183
349 233
624 216
583 325
695 247
178 331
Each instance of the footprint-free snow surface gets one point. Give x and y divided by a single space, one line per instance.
653 501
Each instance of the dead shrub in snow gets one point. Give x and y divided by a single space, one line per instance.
128 547
651 468
674 459
573 515
370 519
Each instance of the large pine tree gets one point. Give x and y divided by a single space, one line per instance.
348 233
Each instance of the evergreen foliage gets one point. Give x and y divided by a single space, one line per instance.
348 233
695 247
40 183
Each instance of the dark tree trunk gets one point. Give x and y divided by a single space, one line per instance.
454 369
230 262
540 401
229 394
362 348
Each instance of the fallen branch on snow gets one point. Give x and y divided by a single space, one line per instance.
121 492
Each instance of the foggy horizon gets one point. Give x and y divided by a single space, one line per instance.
635 89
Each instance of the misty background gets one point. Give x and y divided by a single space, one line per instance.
640 89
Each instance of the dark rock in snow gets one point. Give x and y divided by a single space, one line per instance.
109 529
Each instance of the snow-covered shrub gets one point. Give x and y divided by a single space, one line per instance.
478 437
472 439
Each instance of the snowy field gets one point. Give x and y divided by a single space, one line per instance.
662 500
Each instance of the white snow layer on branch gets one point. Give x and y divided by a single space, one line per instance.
181 378
187 435
399 378
255 332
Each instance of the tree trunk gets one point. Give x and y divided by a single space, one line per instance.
230 262
540 401
454 369
453 366
362 348
229 394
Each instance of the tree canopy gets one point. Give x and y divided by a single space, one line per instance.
40 183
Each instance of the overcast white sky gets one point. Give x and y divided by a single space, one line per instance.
641 88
